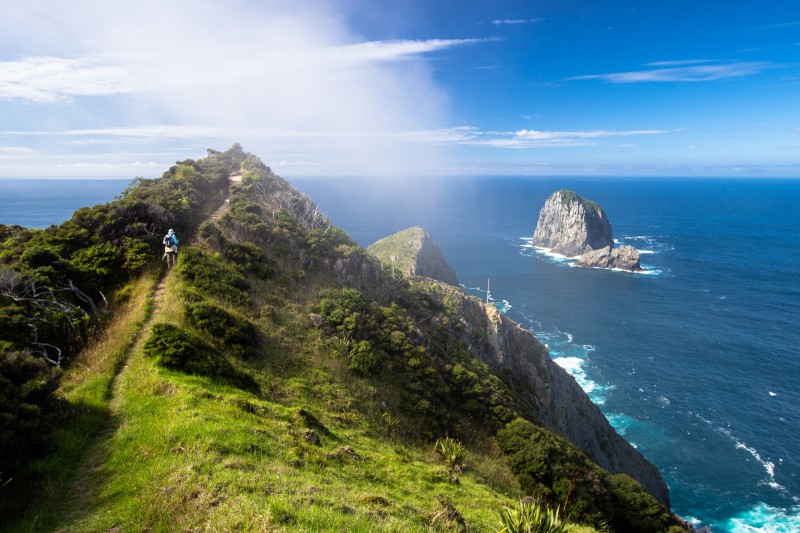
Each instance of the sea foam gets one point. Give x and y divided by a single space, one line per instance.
765 519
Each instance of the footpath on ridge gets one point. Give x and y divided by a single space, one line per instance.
160 290
81 483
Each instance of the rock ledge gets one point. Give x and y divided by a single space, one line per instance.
623 258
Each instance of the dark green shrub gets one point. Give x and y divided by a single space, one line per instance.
173 348
546 466
136 255
249 258
37 256
551 468
212 276
364 358
102 261
344 312
28 413
419 356
231 331
14 325
634 509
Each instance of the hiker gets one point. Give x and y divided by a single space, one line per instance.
170 245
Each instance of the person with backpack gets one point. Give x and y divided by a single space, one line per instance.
170 246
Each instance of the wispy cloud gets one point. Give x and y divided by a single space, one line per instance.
47 79
682 71
459 135
678 63
472 136
393 50
504 22
779 25
279 77
15 151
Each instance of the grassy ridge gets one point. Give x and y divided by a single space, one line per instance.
188 453
283 382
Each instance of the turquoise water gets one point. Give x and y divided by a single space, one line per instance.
696 362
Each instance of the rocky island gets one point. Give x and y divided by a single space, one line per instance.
576 227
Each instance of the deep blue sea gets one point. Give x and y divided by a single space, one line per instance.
38 203
696 363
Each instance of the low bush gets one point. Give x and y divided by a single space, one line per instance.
231 331
634 508
453 453
28 413
211 275
555 471
550 469
174 348
527 516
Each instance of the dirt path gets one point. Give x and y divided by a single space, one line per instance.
84 480
235 180
161 287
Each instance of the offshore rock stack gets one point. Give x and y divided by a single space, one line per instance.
576 227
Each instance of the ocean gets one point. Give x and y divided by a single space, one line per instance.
696 362
38 203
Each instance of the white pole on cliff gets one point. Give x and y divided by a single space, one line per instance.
487 290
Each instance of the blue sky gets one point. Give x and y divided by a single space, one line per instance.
391 88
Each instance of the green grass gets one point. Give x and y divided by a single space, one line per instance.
183 452
192 454
403 246
87 386
308 449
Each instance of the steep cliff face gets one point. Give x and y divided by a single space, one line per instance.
510 350
571 225
624 257
413 252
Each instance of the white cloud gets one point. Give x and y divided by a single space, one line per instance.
51 79
503 22
682 71
678 63
278 76
472 136
459 134
16 151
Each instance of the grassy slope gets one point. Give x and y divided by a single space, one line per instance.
185 453
158 450
403 246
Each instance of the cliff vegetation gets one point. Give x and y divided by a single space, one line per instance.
279 378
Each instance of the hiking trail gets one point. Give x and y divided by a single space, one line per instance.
96 453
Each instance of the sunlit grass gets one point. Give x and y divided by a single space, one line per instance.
310 452
87 387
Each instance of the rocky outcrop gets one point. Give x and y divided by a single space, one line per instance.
571 225
412 252
515 354
623 257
